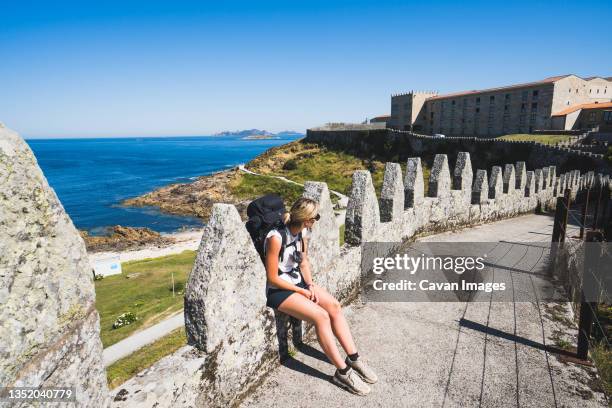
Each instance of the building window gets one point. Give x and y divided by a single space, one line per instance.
491 98
506 108
576 90
522 107
592 116
607 116
534 106
477 110
477 101
464 102
453 102
507 97
535 94
524 95
393 107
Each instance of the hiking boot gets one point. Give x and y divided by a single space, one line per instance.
365 372
351 382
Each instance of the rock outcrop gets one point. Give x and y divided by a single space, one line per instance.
49 326
192 199
125 238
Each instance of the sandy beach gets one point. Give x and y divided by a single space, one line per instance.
184 240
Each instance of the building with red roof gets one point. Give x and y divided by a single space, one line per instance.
519 108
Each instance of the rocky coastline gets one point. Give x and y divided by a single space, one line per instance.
192 199
125 239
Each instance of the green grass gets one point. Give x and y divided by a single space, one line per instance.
599 350
127 367
249 186
310 162
334 168
602 357
546 139
148 295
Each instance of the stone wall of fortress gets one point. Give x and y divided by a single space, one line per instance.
385 144
49 326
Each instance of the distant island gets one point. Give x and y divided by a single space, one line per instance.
257 134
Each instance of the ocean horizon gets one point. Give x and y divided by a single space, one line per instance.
92 176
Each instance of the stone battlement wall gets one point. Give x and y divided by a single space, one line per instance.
399 145
225 311
49 328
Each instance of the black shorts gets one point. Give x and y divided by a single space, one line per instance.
277 296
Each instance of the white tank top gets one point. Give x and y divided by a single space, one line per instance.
288 262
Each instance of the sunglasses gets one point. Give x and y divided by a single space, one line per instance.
316 217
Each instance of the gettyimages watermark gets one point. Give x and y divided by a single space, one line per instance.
482 271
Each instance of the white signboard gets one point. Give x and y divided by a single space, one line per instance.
107 266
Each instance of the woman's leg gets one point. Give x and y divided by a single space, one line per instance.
338 321
298 306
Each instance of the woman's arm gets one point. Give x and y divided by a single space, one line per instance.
272 253
305 264
306 272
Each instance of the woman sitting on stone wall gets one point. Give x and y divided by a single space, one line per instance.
291 290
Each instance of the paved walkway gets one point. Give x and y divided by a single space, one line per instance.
140 339
454 354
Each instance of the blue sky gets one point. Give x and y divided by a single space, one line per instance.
190 68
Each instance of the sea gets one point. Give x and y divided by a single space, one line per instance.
93 176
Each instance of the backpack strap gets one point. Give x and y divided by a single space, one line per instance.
283 234
301 239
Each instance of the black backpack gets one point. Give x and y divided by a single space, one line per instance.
265 214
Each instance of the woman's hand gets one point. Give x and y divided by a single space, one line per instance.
313 293
304 292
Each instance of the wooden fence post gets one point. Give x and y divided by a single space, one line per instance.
585 209
587 302
597 207
560 216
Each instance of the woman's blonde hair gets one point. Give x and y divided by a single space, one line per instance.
302 210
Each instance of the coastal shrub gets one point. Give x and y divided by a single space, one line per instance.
371 166
307 155
290 165
124 320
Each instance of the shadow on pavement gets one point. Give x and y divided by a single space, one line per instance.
508 336
298 366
